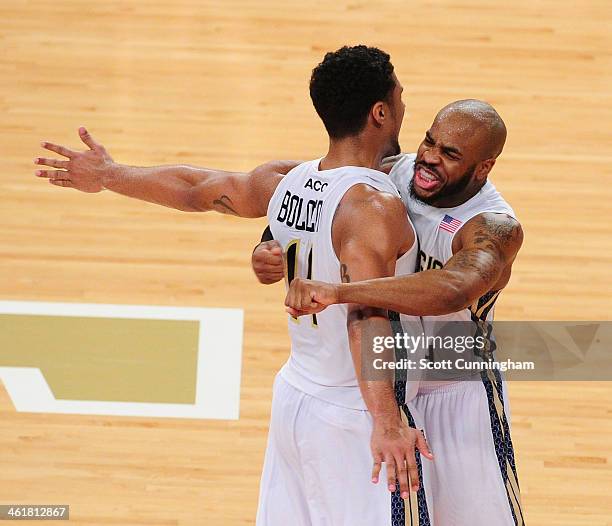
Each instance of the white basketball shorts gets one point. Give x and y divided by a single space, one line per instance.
318 462
318 466
472 480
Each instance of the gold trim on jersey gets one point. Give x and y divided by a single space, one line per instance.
511 482
479 310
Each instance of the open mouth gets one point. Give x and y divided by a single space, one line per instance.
425 179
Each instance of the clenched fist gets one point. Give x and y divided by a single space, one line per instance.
267 262
309 297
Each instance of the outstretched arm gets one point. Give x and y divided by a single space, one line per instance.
486 247
182 187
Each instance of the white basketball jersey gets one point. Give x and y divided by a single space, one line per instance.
436 228
300 215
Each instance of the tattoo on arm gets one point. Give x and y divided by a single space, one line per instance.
496 235
224 205
344 276
473 260
493 245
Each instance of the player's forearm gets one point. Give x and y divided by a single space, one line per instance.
376 385
379 397
428 293
170 186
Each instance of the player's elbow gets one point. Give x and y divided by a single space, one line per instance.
228 193
188 202
458 300
454 296
218 195
191 192
198 198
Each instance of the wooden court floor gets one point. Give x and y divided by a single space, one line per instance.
224 83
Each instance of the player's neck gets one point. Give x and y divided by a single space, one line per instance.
352 151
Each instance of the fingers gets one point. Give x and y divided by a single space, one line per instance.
312 308
291 299
301 299
423 446
265 272
391 475
413 471
56 177
268 276
52 174
271 255
88 139
313 300
298 295
295 313
406 473
267 262
53 163
376 467
402 477
273 246
295 298
58 149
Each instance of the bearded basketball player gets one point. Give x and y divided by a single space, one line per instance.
468 240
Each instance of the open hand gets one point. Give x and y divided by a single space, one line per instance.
84 171
395 446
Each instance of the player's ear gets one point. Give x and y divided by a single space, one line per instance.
379 112
483 168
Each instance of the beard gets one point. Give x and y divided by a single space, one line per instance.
449 189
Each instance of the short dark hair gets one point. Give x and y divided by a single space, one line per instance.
346 85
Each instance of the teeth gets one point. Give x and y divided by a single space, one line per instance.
426 176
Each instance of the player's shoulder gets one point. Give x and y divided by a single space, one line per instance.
367 205
494 221
379 201
371 218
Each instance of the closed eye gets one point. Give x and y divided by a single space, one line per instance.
451 155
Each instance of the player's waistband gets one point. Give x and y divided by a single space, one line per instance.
347 396
435 387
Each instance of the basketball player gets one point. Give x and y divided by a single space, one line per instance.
469 237
328 422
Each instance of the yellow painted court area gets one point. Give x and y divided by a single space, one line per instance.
105 359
